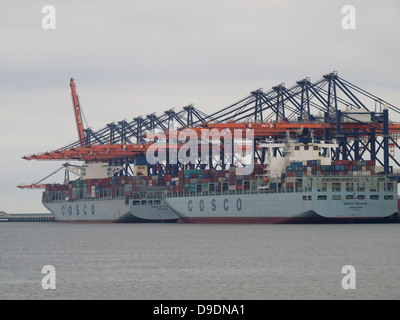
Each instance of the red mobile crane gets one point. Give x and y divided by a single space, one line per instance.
77 110
79 125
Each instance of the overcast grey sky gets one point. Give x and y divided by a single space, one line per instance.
132 58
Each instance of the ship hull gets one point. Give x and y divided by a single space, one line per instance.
279 220
109 211
152 210
273 208
90 211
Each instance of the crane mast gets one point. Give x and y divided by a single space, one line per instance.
77 110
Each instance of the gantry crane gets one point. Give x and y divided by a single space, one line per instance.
331 108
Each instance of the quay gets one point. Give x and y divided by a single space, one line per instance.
30 217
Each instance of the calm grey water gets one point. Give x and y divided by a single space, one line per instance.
199 261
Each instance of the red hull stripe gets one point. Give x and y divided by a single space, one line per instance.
276 220
87 221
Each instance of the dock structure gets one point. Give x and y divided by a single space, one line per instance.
30 217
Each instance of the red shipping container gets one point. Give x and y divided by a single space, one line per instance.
290 173
167 177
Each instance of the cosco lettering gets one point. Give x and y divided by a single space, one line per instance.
213 205
201 205
226 204
239 204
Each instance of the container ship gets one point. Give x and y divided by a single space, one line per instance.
303 186
294 181
110 199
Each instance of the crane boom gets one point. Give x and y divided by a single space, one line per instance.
77 110
38 185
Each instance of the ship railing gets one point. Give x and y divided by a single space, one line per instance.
87 199
236 192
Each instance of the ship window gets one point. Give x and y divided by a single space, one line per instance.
135 202
144 202
336 197
374 197
390 197
150 202
361 186
315 148
322 197
323 187
336 186
304 197
349 197
296 148
305 147
299 183
360 197
156 201
309 197
389 186
349 186
374 186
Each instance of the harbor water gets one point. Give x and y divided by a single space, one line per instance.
200 261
